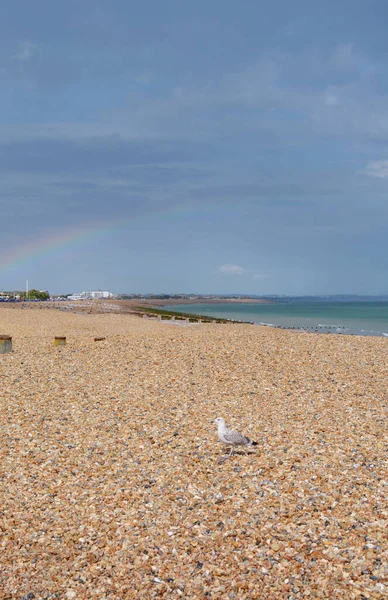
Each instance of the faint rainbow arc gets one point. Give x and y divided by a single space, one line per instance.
71 237
54 242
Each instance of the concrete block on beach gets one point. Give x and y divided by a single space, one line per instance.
5 344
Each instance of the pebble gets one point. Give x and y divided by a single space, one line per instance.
112 484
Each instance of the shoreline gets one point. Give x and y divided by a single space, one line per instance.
307 324
136 308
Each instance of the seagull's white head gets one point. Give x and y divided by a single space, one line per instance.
219 420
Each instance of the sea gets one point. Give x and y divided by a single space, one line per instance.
351 318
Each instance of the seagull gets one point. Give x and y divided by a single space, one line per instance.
233 438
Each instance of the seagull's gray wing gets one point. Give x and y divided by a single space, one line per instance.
234 437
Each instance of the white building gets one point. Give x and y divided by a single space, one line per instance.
91 295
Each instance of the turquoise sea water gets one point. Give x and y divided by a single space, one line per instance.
360 318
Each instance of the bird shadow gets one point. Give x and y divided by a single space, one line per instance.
228 456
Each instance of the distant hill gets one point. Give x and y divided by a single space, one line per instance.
329 298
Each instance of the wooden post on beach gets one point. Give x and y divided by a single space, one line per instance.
5 344
59 341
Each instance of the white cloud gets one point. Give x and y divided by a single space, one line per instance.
331 99
26 51
231 269
377 168
345 55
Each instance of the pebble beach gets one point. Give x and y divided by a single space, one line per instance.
114 484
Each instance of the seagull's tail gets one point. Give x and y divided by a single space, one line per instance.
253 443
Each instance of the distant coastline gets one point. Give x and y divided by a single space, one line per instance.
171 301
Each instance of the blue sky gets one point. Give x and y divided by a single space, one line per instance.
217 146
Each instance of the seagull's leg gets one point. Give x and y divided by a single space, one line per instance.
231 451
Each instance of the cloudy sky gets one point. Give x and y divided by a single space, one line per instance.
209 146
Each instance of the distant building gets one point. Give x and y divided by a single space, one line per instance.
91 295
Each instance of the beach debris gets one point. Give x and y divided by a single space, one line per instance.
232 438
59 341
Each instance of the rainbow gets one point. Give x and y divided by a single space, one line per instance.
79 236
57 241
